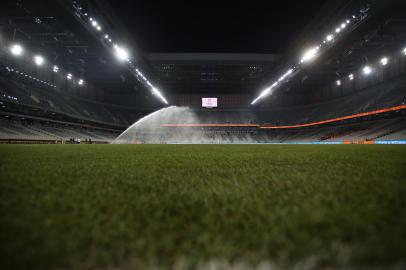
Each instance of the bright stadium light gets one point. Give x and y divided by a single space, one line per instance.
55 69
384 61
264 93
38 60
338 30
351 77
367 70
404 51
309 54
69 76
156 92
347 21
106 36
338 82
343 25
80 82
255 101
329 37
121 53
98 28
16 49
287 73
94 23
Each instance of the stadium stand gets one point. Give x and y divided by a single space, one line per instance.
16 130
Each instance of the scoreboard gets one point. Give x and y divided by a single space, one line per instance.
209 102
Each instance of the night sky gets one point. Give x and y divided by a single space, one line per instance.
215 26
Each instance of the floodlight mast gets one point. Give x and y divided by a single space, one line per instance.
94 25
310 54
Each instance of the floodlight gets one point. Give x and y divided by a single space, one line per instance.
367 70
329 37
309 54
69 76
338 82
156 92
98 28
348 21
351 77
94 23
106 36
287 73
38 60
80 82
338 30
265 92
343 25
55 69
121 53
16 49
384 61
404 51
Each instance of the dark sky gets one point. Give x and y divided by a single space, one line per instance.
247 26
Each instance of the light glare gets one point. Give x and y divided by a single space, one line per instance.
156 92
287 73
39 60
329 37
16 49
309 55
121 53
384 61
367 70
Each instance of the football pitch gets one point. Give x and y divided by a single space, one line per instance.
186 206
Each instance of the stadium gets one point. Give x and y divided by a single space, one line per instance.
203 135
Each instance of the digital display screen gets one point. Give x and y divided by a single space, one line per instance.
209 102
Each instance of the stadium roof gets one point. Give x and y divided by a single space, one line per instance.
59 34
210 73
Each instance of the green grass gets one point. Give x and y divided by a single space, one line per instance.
134 206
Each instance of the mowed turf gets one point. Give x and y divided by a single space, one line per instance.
138 206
